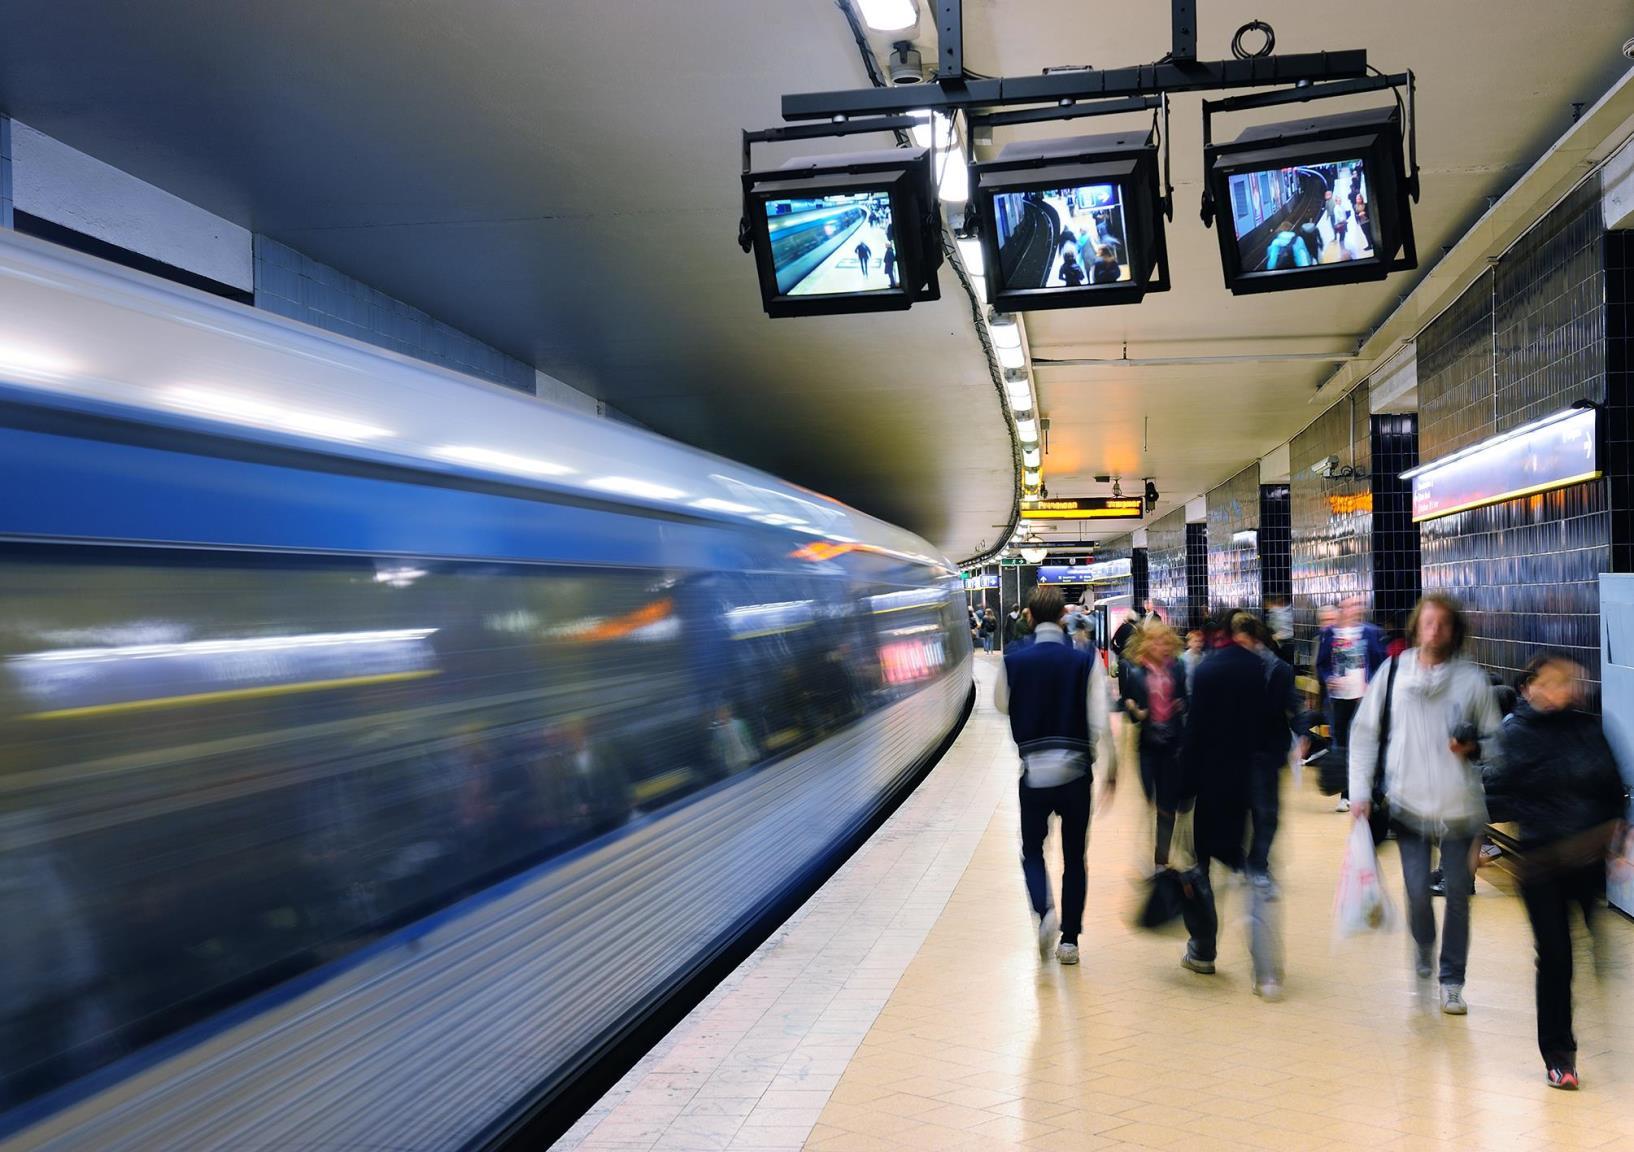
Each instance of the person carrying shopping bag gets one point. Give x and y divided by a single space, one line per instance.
1443 721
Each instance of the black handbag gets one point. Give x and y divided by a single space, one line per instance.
1378 817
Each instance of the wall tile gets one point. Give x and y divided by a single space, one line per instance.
1233 543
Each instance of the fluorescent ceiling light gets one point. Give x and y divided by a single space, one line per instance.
1031 479
238 409
943 124
497 461
1005 331
711 504
970 251
954 186
889 15
627 486
979 286
1032 458
1027 430
1012 357
1019 389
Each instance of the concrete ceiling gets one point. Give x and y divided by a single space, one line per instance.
559 178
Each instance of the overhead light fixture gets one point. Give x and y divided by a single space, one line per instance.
1317 201
1027 430
820 228
1011 358
953 186
497 461
239 409
1073 223
628 486
970 251
889 15
1032 458
711 504
933 127
1019 389
1004 330
1031 479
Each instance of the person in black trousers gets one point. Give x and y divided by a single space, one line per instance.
1056 698
1559 781
1237 718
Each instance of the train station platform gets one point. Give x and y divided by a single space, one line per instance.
905 1007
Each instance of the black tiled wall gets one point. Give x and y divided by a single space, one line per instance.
1233 543
1197 576
1276 564
1619 395
1396 575
1139 570
1528 339
1166 565
1330 521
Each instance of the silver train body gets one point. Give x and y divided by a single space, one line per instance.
377 743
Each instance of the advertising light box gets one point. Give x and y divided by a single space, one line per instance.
1552 453
1085 508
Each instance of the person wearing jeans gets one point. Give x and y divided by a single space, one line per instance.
1443 719
1056 698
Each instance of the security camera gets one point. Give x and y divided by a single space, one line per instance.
906 67
1325 465
1151 491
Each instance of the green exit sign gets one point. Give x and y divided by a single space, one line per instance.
1011 562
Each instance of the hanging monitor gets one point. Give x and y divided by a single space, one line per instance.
839 234
1072 223
1319 201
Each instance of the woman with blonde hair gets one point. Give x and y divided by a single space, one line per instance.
1152 693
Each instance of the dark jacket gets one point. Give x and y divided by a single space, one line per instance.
1133 685
1237 718
1120 638
1558 776
1372 640
1049 694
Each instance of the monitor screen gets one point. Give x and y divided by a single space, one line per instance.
1302 216
833 245
1061 238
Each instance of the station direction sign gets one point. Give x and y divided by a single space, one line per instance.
1086 508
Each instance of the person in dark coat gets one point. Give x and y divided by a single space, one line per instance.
1237 717
1559 781
1152 693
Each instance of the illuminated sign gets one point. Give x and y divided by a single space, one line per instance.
982 580
1345 505
1064 574
1551 453
1086 508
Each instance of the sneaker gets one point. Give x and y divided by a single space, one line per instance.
1342 806
1266 886
1270 991
1563 1076
1438 883
1425 964
1049 925
1067 953
1452 1000
1193 964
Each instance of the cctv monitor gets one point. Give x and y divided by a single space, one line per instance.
1070 223
1320 201
844 234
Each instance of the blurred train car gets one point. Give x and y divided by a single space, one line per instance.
379 745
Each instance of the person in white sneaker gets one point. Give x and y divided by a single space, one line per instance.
1443 719
1056 698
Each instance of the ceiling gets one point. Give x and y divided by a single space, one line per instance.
559 178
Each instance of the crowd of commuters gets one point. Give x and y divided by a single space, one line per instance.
1429 748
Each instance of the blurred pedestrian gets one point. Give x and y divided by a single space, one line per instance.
1346 660
1442 721
1055 696
1152 693
1236 720
1560 782
1193 655
864 254
989 627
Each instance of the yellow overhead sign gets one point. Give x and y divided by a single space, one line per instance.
1085 508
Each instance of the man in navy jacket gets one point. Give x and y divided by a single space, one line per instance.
1055 696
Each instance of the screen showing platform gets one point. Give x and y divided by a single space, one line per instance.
1061 238
1304 216
836 245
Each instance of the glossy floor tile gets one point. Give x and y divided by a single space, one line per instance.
905 1007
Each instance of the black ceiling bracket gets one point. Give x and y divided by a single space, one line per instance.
1168 181
1183 27
950 41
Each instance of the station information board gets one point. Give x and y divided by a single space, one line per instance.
1560 450
1085 508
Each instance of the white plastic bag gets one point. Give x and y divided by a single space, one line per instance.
1360 905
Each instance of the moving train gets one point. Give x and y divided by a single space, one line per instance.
380 744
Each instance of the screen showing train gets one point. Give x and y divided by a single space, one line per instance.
835 245
1061 238
1302 216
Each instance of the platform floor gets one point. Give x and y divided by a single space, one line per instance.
905 1007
